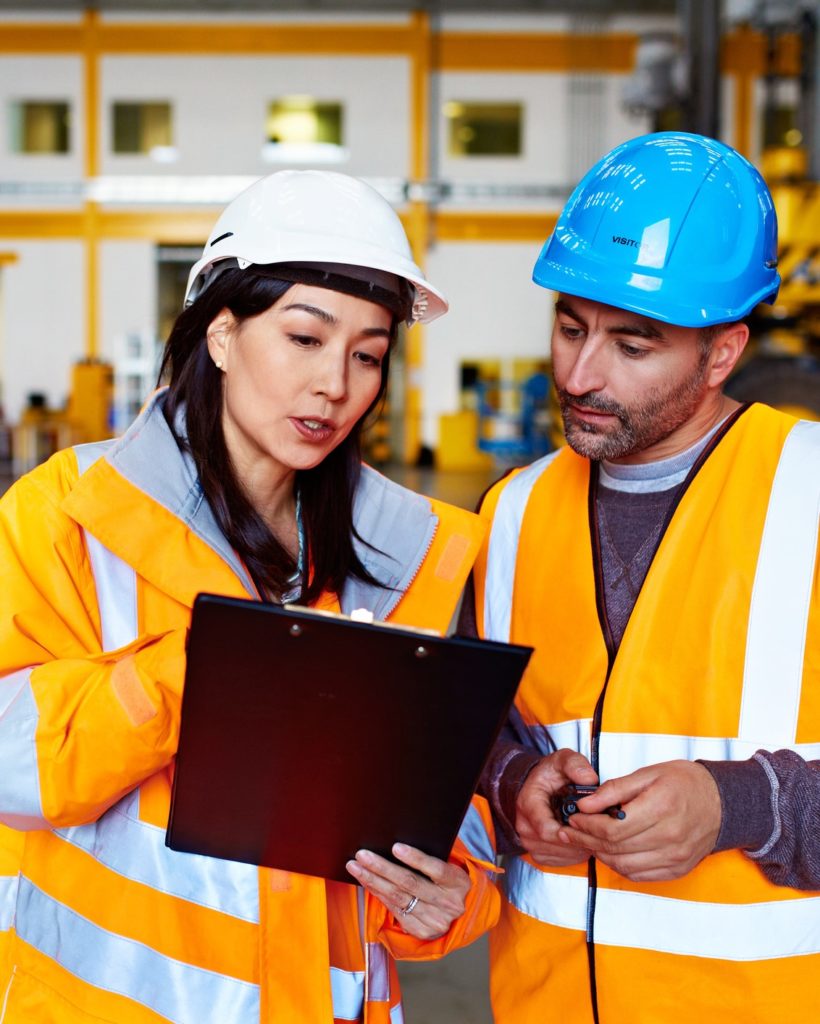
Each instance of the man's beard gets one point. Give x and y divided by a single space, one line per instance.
640 426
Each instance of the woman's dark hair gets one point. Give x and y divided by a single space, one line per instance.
326 491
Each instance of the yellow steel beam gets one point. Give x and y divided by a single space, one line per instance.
742 50
172 227
481 226
192 227
536 51
192 38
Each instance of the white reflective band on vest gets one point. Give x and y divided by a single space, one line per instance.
347 989
781 596
503 547
724 931
778 620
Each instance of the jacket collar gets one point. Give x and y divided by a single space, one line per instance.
394 527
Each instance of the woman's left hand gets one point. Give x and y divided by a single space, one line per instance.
425 900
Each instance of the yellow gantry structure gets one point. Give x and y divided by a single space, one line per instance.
743 57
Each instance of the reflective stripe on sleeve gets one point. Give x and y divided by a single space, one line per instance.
475 836
135 849
19 776
116 585
724 931
347 989
378 973
503 549
397 1014
8 900
181 992
781 595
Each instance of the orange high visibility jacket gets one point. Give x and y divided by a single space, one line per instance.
103 550
719 659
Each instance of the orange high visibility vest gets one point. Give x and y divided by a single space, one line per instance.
98 920
719 659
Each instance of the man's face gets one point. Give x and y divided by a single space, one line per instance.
630 388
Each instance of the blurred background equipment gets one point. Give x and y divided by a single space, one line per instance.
120 144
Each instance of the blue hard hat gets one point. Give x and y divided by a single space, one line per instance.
677 227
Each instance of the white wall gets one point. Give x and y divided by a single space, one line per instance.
41 78
560 121
43 321
495 312
220 106
128 292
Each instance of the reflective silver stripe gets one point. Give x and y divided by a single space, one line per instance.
116 585
182 993
8 900
622 753
137 850
114 579
475 836
503 549
781 595
347 988
397 1014
724 931
19 773
555 899
576 734
88 454
378 973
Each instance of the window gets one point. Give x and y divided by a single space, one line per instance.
483 129
142 128
301 128
39 126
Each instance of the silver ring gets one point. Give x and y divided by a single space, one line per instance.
410 906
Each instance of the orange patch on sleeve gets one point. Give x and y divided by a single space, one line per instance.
129 691
452 556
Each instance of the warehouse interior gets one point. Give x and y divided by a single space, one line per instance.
126 126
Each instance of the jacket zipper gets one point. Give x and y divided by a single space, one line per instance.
419 563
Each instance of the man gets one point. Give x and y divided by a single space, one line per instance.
663 567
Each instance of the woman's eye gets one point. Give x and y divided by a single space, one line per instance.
303 340
368 359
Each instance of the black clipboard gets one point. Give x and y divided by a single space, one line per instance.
306 736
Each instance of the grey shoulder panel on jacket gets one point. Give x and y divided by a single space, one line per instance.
395 528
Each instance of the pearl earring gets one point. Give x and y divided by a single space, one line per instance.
219 364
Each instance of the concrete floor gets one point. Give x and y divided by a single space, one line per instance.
449 991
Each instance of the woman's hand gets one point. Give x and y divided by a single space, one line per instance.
425 900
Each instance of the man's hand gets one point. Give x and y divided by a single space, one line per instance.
672 821
536 825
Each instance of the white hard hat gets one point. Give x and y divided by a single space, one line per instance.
314 217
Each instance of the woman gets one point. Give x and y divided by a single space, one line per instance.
241 477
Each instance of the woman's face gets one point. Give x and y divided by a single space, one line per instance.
297 378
